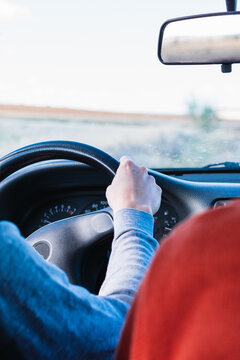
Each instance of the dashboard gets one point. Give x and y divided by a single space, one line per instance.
53 190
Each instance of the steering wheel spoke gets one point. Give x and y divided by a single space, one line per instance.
65 242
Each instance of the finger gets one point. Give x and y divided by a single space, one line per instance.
152 178
125 159
143 170
127 162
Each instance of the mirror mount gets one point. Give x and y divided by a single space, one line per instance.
231 5
226 68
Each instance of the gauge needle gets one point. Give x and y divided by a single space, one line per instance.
46 221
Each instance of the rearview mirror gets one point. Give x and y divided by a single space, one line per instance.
201 39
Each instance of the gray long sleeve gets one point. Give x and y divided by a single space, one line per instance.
48 317
132 250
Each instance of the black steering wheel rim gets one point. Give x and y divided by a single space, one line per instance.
50 150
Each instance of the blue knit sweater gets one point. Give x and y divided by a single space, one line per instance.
48 317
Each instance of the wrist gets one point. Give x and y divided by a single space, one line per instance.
141 207
144 208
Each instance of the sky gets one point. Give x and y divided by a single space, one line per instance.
102 55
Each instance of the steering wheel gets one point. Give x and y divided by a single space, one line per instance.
65 243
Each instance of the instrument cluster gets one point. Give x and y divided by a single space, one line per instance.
58 209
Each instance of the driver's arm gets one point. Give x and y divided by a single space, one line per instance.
50 318
134 198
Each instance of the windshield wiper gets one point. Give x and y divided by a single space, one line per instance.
226 165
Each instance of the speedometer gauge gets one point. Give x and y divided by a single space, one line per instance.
57 212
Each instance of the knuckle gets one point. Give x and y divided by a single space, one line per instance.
124 157
152 178
128 162
142 169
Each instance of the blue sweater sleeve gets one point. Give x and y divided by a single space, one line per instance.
48 317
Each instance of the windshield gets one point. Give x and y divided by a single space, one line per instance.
88 71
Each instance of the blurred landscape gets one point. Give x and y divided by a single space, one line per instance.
200 137
202 49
